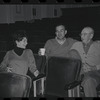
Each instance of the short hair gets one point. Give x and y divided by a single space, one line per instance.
60 25
90 29
19 35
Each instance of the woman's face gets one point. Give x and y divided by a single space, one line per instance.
23 43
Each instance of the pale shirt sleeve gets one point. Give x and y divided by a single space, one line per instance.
74 46
4 63
74 54
31 64
98 47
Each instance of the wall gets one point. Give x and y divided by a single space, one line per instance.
13 13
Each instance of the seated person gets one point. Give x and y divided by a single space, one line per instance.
89 51
60 45
19 59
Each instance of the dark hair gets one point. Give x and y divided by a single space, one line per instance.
19 35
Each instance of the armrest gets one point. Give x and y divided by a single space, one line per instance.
98 87
38 77
72 85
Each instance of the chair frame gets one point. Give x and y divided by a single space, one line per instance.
42 79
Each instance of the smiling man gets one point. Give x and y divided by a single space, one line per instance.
60 45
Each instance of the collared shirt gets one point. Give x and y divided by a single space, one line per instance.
87 46
59 41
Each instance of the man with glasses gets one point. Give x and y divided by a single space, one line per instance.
89 51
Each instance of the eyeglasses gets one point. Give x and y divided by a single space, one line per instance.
83 34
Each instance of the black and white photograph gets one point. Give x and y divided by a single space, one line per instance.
50 50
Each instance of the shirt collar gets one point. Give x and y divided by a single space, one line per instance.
60 42
88 44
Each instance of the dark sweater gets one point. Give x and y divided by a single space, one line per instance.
18 51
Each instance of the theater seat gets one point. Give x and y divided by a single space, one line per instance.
14 85
62 73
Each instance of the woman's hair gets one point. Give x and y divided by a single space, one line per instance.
19 35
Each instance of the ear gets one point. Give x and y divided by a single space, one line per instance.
65 31
92 36
16 42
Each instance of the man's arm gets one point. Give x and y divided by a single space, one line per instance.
74 54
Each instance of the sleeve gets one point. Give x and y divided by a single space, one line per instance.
47 48
72 41
74 54
4 63
74 46
32 64
98 47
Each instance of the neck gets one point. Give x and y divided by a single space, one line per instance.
18 47
18 50
87 42
63 39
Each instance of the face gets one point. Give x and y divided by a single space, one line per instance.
23 43
60 32
86 35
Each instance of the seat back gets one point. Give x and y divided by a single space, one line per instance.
14 85
61 71
40 63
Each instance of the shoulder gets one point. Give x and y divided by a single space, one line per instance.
77 43
71 39
9 52
96 43
50 41
28 51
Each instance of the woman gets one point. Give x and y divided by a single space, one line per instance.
19 59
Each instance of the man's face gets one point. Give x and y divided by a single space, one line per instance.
86 35
60 32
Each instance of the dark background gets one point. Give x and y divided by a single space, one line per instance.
39 31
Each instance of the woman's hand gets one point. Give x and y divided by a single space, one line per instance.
9 69
36 73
